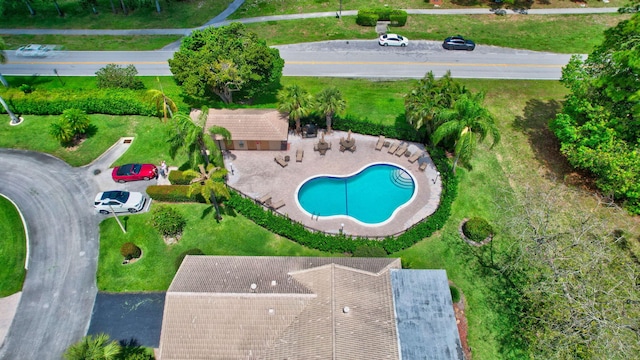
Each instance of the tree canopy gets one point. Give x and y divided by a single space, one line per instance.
599 125
224 61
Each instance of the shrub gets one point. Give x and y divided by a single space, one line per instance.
477 229
177 177
366 18
455 294
398 18
369 251
130 251
26 88
173 193
116 76
168 221
72 124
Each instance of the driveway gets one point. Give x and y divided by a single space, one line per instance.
60 288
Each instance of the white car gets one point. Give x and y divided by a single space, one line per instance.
119 201
33 50
393 40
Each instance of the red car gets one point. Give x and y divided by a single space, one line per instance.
133 172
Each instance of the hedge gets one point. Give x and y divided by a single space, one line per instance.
401 130
176 177
370 17
173 193
92 101
398 18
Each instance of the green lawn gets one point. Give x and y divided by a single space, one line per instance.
13 251
234 235
93 42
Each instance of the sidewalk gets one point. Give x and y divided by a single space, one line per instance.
219 20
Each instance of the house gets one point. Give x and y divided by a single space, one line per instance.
226 307
251 129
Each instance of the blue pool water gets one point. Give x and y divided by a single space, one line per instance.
370 196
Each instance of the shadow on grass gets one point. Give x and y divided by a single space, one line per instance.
546 147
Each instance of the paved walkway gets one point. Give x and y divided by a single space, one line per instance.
256 174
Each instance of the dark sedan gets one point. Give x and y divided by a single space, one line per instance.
458 43
133 172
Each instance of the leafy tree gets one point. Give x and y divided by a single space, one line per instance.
226 60
330 102
296 101
466 124
190 136
98 347
599 124
429 97
116 76
210 184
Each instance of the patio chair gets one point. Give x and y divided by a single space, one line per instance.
416 155
277 205
353 148
393 147
266 199
299 155
402 149
423 166
280 160
380 142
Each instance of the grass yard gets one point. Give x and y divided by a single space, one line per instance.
159 263
94 42
13 251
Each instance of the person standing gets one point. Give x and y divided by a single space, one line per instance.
163 169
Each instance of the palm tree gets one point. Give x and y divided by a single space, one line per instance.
3 60
296 101
209 184
330 102
96 348
466 124
163 103
190 136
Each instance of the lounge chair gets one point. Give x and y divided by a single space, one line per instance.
416 155
380 142
280 160
393 147
423 166
277 205
266 199
402 149
352 149
299 155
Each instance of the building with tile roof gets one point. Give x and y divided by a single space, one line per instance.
225 307
251 129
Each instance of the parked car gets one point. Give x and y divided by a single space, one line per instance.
133 172
458 43
119 201
393 40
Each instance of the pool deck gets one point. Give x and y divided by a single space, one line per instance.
256 174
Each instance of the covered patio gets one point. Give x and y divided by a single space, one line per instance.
257 175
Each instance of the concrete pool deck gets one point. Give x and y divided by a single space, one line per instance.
256 174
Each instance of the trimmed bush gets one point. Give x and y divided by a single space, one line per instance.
168 221
130 251
26 88
398 18
366 18
369 251
177 177
477 229
455 294
173 193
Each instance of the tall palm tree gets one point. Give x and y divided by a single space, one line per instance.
99 347
163 103
209 184
190 136
466 124
296 101
3 60
330 102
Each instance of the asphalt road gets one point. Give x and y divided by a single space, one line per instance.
340 58
59 290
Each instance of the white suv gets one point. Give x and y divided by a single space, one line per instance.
119 201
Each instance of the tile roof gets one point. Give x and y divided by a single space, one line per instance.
280 308
249 124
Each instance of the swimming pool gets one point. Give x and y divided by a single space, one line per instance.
370 196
